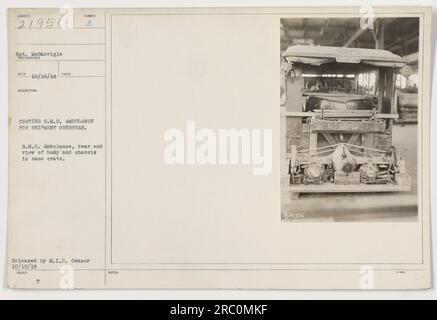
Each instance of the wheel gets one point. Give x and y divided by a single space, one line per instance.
294 195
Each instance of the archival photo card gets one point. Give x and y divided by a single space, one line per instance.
219 148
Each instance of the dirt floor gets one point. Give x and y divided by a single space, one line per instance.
367 207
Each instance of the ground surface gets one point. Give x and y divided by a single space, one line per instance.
350 207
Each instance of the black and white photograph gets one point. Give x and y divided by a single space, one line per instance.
350 115
223 151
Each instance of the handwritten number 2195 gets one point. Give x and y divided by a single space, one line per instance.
37 24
